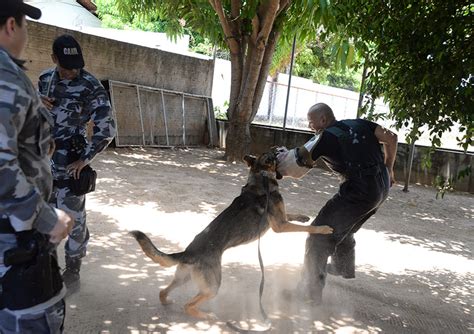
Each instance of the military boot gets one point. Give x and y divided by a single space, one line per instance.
344 267
343 260
333 269
71 273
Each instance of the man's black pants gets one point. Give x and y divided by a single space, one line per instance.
357 200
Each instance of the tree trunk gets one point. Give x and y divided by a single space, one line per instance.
264 70
250 62
237 140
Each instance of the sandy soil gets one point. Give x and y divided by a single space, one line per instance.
415 270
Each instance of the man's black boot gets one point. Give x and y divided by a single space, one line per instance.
333 269
312 295
71 273
344 268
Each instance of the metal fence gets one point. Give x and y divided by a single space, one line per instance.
303 94
272 107
149 116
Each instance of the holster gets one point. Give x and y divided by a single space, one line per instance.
88 176
34 276
86 182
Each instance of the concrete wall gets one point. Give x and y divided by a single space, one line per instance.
447 163
109 59
444 162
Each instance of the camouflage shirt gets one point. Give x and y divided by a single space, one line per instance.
25 176
77 102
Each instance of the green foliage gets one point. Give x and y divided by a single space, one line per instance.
312 21
198 18
318 61
327 68
282 57
181 17
426 162
112 17
221 113
229 25
370 113
444 184
420 56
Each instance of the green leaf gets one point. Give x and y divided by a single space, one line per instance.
344 52
350 56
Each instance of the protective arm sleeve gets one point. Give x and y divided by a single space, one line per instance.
296 162
104 125
288 164
20 200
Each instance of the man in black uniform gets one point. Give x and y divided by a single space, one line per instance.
351 148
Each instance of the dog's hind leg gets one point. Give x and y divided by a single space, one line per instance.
208 280
181 276
191 307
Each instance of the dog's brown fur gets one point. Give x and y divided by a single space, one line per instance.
242 222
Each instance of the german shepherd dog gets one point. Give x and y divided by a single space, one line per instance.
258 207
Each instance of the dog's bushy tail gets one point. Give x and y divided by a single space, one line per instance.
166 260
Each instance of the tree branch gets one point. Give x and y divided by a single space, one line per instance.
236 20
255 29
235 85
231 40
267 14
235 8
283 5
247 59
262 78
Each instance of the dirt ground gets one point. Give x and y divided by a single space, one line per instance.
415 270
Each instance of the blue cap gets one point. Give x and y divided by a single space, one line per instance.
68 51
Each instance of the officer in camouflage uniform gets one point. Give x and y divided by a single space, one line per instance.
74 97
31 290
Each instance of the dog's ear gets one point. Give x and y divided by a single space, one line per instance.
250 160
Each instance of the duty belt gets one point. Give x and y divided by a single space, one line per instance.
5 226
360 172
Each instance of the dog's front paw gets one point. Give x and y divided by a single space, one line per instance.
297 217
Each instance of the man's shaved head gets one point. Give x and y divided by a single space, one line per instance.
320 116
322 109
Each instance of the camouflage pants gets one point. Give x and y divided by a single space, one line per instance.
75 206
50 321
